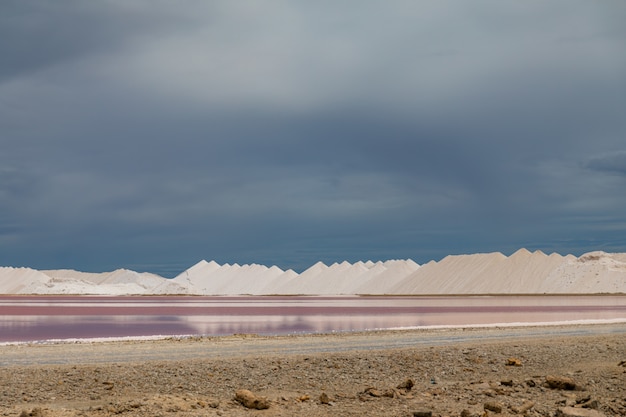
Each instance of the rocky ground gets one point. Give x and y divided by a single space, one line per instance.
568 376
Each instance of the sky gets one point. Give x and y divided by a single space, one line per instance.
150 135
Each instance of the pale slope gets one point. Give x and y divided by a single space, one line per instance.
523 272
118 282
596 272
20 280
490 273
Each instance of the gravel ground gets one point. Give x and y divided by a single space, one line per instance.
581 375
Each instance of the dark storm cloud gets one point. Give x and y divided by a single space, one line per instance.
614 163
36 35
158 133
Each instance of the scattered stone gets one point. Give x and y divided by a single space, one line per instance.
212 403
560 382
406 385
208 386
591 404
324 398
622 363
132 406
530 383
372 392
468 413
376 393
507 382
513 362
250 400
568 401
527 405
584 399
36 412
494 406
482 386
586 402
578 412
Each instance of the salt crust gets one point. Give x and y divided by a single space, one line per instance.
523 272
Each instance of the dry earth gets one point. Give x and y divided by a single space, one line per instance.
565 375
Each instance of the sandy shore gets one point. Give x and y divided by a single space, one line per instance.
509 375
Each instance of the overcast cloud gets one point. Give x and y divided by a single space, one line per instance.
153 134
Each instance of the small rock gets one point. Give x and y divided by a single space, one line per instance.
560 382
250 400
422 413
373 392
36 412
324 398
527 405
513 362
507 382
568 401
376 393
583 399
494 406
406 385
482 386
578 412
591 404
530 382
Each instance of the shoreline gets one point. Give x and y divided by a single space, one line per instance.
452 372
171 348
366 295
304 334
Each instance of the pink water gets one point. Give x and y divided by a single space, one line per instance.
37 318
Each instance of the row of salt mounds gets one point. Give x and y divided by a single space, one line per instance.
347 279
118 282
489 273
209 278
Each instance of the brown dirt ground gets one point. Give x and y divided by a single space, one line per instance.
467 379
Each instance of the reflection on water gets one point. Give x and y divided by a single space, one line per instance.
33 318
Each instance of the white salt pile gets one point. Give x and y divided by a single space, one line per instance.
523 272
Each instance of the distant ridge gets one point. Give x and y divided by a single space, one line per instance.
523 272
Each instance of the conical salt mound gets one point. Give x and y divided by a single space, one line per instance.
455 274
594 272
20 280
389 274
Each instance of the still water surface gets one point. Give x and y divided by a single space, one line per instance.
38 318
